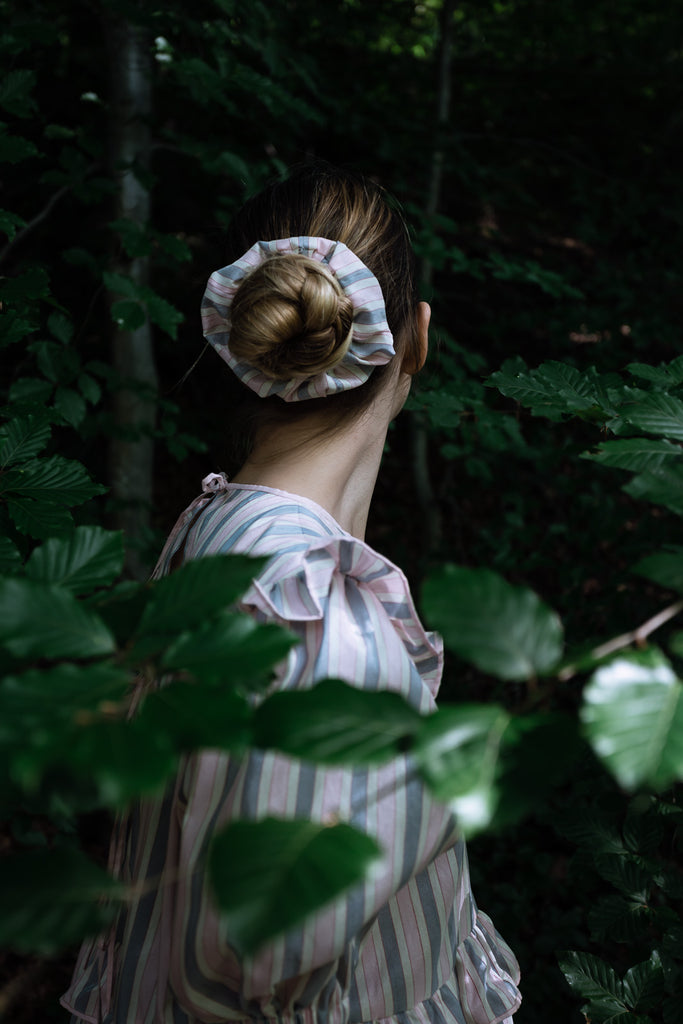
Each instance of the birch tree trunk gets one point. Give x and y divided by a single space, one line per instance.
424 489
132 448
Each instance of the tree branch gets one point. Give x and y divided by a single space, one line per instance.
635 636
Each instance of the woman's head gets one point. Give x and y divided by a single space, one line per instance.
289 316
323 201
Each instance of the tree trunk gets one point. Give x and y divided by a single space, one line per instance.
431 515
132 447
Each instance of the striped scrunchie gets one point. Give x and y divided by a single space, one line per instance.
371 344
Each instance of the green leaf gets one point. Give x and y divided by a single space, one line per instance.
22 439
626 874
39 518
52 899
56 480
193 717
15 89
231 648
663 486
121 607
593 979
554 389
504 630
633 718
616 919
38 621
644 983
10 559
665 567
530 741
133 237
90 389
70 405
33 390
592 828
456 752
91 557
262 895
128 314
636 454
9 222
335 723
124 759
160 312
61 327
38 702
14 149
199 590
656 413
665 375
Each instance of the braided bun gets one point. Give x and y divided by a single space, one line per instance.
290 318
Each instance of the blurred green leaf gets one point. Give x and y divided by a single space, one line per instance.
125 759
633 718
335 723
504 630
128 314
665 567
232 649
9 222
38 621
70 405
663 486
262 896
10 559
52 899
194 716
40 701
456 753
196 592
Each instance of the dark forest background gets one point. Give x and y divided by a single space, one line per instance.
535 149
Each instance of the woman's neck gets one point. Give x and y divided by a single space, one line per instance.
336 469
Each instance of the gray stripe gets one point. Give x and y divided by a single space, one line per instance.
481 966
395 963
432 920
357 606
138 927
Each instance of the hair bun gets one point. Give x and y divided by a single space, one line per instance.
290 318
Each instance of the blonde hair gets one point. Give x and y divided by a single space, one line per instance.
318 200
290 318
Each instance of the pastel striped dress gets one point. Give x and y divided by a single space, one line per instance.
409 944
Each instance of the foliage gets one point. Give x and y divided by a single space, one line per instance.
556 236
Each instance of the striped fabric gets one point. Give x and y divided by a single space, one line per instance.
372 343
408 944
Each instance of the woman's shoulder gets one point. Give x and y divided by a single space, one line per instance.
315 568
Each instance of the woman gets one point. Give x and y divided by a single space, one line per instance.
317 317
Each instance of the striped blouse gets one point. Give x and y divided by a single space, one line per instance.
408 944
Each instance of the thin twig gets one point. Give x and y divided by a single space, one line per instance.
32 224
635 636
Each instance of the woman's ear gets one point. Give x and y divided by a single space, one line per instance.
416 359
